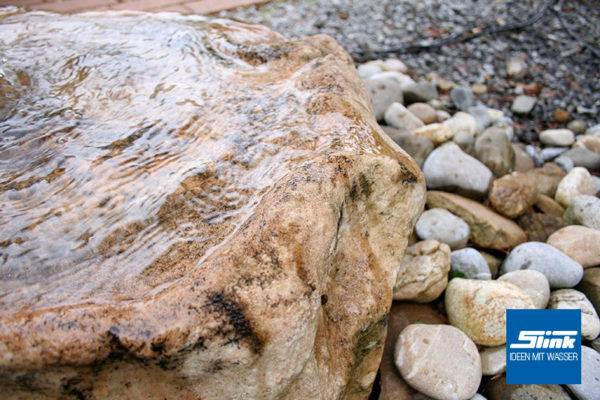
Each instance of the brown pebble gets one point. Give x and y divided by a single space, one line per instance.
561 115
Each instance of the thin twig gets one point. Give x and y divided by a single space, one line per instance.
364 55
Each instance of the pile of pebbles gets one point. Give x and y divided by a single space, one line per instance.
557 56
508 225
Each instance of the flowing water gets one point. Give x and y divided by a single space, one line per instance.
132 145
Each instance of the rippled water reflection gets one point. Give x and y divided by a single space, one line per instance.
130 147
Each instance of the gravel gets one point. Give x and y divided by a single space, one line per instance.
562 66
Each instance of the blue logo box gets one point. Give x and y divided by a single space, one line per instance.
543 346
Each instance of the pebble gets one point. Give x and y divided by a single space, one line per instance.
589 142
478 308
435 132
479 89
523 161
476 396
493 360
540 226
488 229
423 273
462 97
513 194
560 270
470 263
532 282
590 286
583 157
424 112
535 153
396 65
497 115
365 71
442 115
575 183
565 163
546 180
498 389
597 183
523 104
481 115
448 350
515 67
571 299
422 91
417 146
547 205
465 140
402 79
584 210
493 149
383 92
593 130
493 263
506 124
578 242
450 167
589 389
561 115
461 121
442 225
400 117
550 153
577 126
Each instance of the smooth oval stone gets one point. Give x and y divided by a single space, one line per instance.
533 282
584 210
557 137
478 308
589 388
493 360
448 167
367 70
585 158
588 142
580 243
448 350
481 115
424 112
523 104
577 182
400 117
440 224
418 147
560 270
423 273
547 205
470 263
571 299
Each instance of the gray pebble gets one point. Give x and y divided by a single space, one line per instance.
589 389
583 157
523 104
441 225
448 167
383 92
419 91
481 115
584 210
462 97
560 270
471 263
565 163
550 153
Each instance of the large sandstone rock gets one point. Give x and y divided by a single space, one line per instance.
193 208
